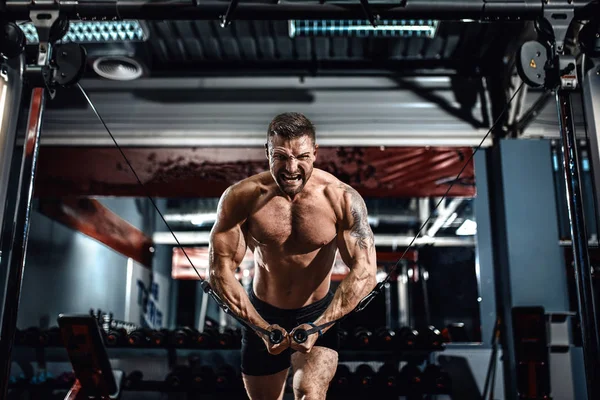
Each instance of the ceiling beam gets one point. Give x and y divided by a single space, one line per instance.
234 112
321 68
207 171
476 10
93 219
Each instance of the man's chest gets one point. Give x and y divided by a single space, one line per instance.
304 226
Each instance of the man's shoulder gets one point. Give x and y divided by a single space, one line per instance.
239 198
325 178
248 188
332 185
344 199
337 192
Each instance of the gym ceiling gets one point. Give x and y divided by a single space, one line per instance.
474 62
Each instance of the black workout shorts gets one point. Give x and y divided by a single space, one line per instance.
256 360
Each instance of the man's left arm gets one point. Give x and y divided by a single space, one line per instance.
357 249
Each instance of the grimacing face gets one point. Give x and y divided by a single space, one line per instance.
291 162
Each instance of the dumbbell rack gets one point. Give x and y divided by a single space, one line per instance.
175 357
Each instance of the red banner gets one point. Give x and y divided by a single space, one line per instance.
207 172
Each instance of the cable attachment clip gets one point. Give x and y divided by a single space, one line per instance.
368 298
546 62
57 64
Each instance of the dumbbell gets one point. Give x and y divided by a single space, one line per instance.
206 339
158 338
384 339
226 378
133 380
342 379
203 378
228 339
184 337
116 337
436 380
361 338
411 379
407 338
178 378
387 378
430 338
138 338
364 377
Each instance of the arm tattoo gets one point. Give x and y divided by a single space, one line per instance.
360 224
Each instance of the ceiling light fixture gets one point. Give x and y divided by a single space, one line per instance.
118 68
363 28
468 228
94 32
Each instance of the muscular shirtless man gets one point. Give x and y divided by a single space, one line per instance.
294 218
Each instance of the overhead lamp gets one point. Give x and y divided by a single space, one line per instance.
450 220
198 219
373 221
468 228
118 68
363 28
204 219
94 32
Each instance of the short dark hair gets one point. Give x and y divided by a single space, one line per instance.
291 125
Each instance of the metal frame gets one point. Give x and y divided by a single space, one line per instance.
15 259
17 239
10 93
212 10
585 295
192 10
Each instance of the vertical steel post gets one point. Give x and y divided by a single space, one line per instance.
11 84
583 274
20 234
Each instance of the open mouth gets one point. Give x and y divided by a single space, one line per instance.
291 178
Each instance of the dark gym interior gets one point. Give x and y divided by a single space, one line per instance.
468 127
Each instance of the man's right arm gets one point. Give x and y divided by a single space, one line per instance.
227 248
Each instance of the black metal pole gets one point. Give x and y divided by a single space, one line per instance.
583 275
269 10
11 86
22 219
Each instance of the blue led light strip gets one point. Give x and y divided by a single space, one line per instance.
360 28
94 32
